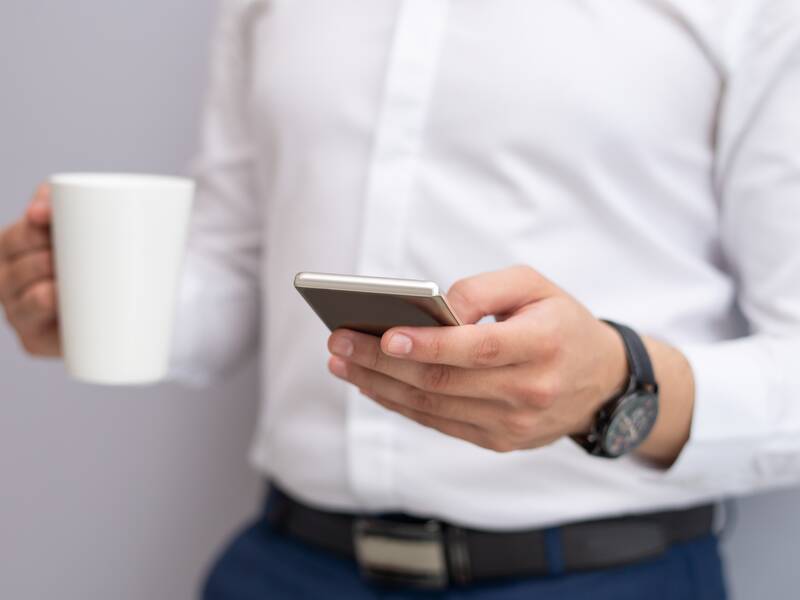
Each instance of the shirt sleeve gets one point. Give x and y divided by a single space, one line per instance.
218 304
745 432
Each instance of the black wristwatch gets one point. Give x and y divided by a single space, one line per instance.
627 419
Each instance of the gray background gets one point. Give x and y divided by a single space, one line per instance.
127 493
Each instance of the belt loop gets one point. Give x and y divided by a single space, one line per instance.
554 550
458 555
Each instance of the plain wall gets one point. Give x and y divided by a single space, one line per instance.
127 493
109 493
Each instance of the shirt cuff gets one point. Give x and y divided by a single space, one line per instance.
731 418
182 362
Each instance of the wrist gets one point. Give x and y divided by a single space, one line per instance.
627 419
613 375
672 428
616 372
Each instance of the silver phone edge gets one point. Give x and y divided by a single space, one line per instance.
374 285
449 308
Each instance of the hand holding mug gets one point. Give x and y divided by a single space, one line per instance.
116 247
27 284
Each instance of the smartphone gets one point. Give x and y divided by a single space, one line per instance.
374 304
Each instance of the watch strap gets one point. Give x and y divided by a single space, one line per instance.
641 367
641 376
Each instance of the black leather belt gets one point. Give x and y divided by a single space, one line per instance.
412 552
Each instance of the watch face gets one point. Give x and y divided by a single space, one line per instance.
631 423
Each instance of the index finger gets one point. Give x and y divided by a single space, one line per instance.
39 211
468 346
498 292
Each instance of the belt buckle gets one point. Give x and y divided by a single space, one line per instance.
394 553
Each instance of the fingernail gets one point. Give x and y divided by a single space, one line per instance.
338 367
399 344
341 346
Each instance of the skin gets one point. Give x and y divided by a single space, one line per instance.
538 374
27 285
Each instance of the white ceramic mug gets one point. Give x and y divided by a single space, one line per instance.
119 243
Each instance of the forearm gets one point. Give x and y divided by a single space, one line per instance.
216 324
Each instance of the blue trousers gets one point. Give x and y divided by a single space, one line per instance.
260 564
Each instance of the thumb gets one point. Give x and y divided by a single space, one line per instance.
498 292
39 211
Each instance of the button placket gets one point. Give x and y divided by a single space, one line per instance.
410 77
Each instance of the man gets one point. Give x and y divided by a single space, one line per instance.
640 159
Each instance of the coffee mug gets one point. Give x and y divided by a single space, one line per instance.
119 242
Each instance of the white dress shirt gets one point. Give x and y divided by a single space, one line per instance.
642 154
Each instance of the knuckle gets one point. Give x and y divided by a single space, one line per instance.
515 389
364 354
353 374
426 420
374 358
465 290
42 265
26 304
41 299
501 445
435 348
15 236
486 351
471 290
517 426
525 269
435 377
550 339
426 403
547 391
459 288
485 443
12 276
16 275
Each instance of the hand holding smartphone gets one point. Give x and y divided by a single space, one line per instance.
374 305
